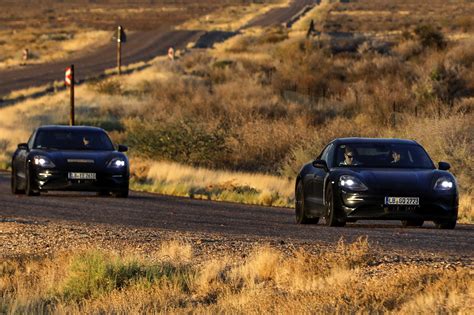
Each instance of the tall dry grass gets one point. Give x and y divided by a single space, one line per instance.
181 180
343 280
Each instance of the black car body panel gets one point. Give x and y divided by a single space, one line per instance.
76 160
381 182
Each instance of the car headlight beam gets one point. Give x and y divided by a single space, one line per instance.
117 163
43 161
352 183
444 183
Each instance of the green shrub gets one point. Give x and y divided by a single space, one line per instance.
93 274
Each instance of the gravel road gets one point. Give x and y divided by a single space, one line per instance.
165 214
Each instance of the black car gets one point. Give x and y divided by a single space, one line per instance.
72 159
387 179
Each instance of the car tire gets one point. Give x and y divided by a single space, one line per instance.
14 184
445 225
332 212
30 189
412 223
103 193
123 193
300 208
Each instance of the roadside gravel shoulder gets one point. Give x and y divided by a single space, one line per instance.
27 238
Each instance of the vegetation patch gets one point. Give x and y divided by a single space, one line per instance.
265 279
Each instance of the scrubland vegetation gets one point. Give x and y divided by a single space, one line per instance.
265 280
53 30
267 101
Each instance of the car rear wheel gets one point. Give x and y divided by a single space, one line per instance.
414 223
445 225
300 208
30 189
14 184
332 212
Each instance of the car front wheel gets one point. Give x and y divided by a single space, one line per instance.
14 184
332 212
300 208
445 225
123 193
30 190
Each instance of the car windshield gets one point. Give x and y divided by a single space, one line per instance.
73 140
386 155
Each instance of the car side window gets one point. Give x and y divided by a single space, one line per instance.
325 155
31 140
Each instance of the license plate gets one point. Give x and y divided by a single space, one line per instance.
74 175
404 201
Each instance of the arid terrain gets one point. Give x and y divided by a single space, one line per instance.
232 124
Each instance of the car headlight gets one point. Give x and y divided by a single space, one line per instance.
117 163
352 183
43 161
444 183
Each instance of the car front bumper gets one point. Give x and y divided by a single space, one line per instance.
47 179
432 206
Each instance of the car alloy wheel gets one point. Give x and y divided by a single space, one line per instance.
331 211
14 183
30 190
300 211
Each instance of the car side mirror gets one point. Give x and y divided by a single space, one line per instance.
321 164
23 146
444 166
122 148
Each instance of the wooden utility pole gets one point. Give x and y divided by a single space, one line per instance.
121 38
119 50
69 80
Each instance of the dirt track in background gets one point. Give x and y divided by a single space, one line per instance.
141 46
157 213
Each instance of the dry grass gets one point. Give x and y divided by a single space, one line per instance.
46 45
266 280
385 17
175 179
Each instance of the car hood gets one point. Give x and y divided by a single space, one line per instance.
76 158
387 180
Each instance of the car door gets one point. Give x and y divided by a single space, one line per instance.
319 179
19 161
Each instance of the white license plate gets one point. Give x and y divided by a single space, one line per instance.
403 201
75 175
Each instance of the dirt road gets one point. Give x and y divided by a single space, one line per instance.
232 221
281 15
141 46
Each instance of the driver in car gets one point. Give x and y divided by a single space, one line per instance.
395 157
349 158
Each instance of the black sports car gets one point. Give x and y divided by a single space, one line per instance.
70 158
387 179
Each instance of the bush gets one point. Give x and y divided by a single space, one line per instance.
93 274
430 36
183 141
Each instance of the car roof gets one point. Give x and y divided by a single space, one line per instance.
66 128
374 140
